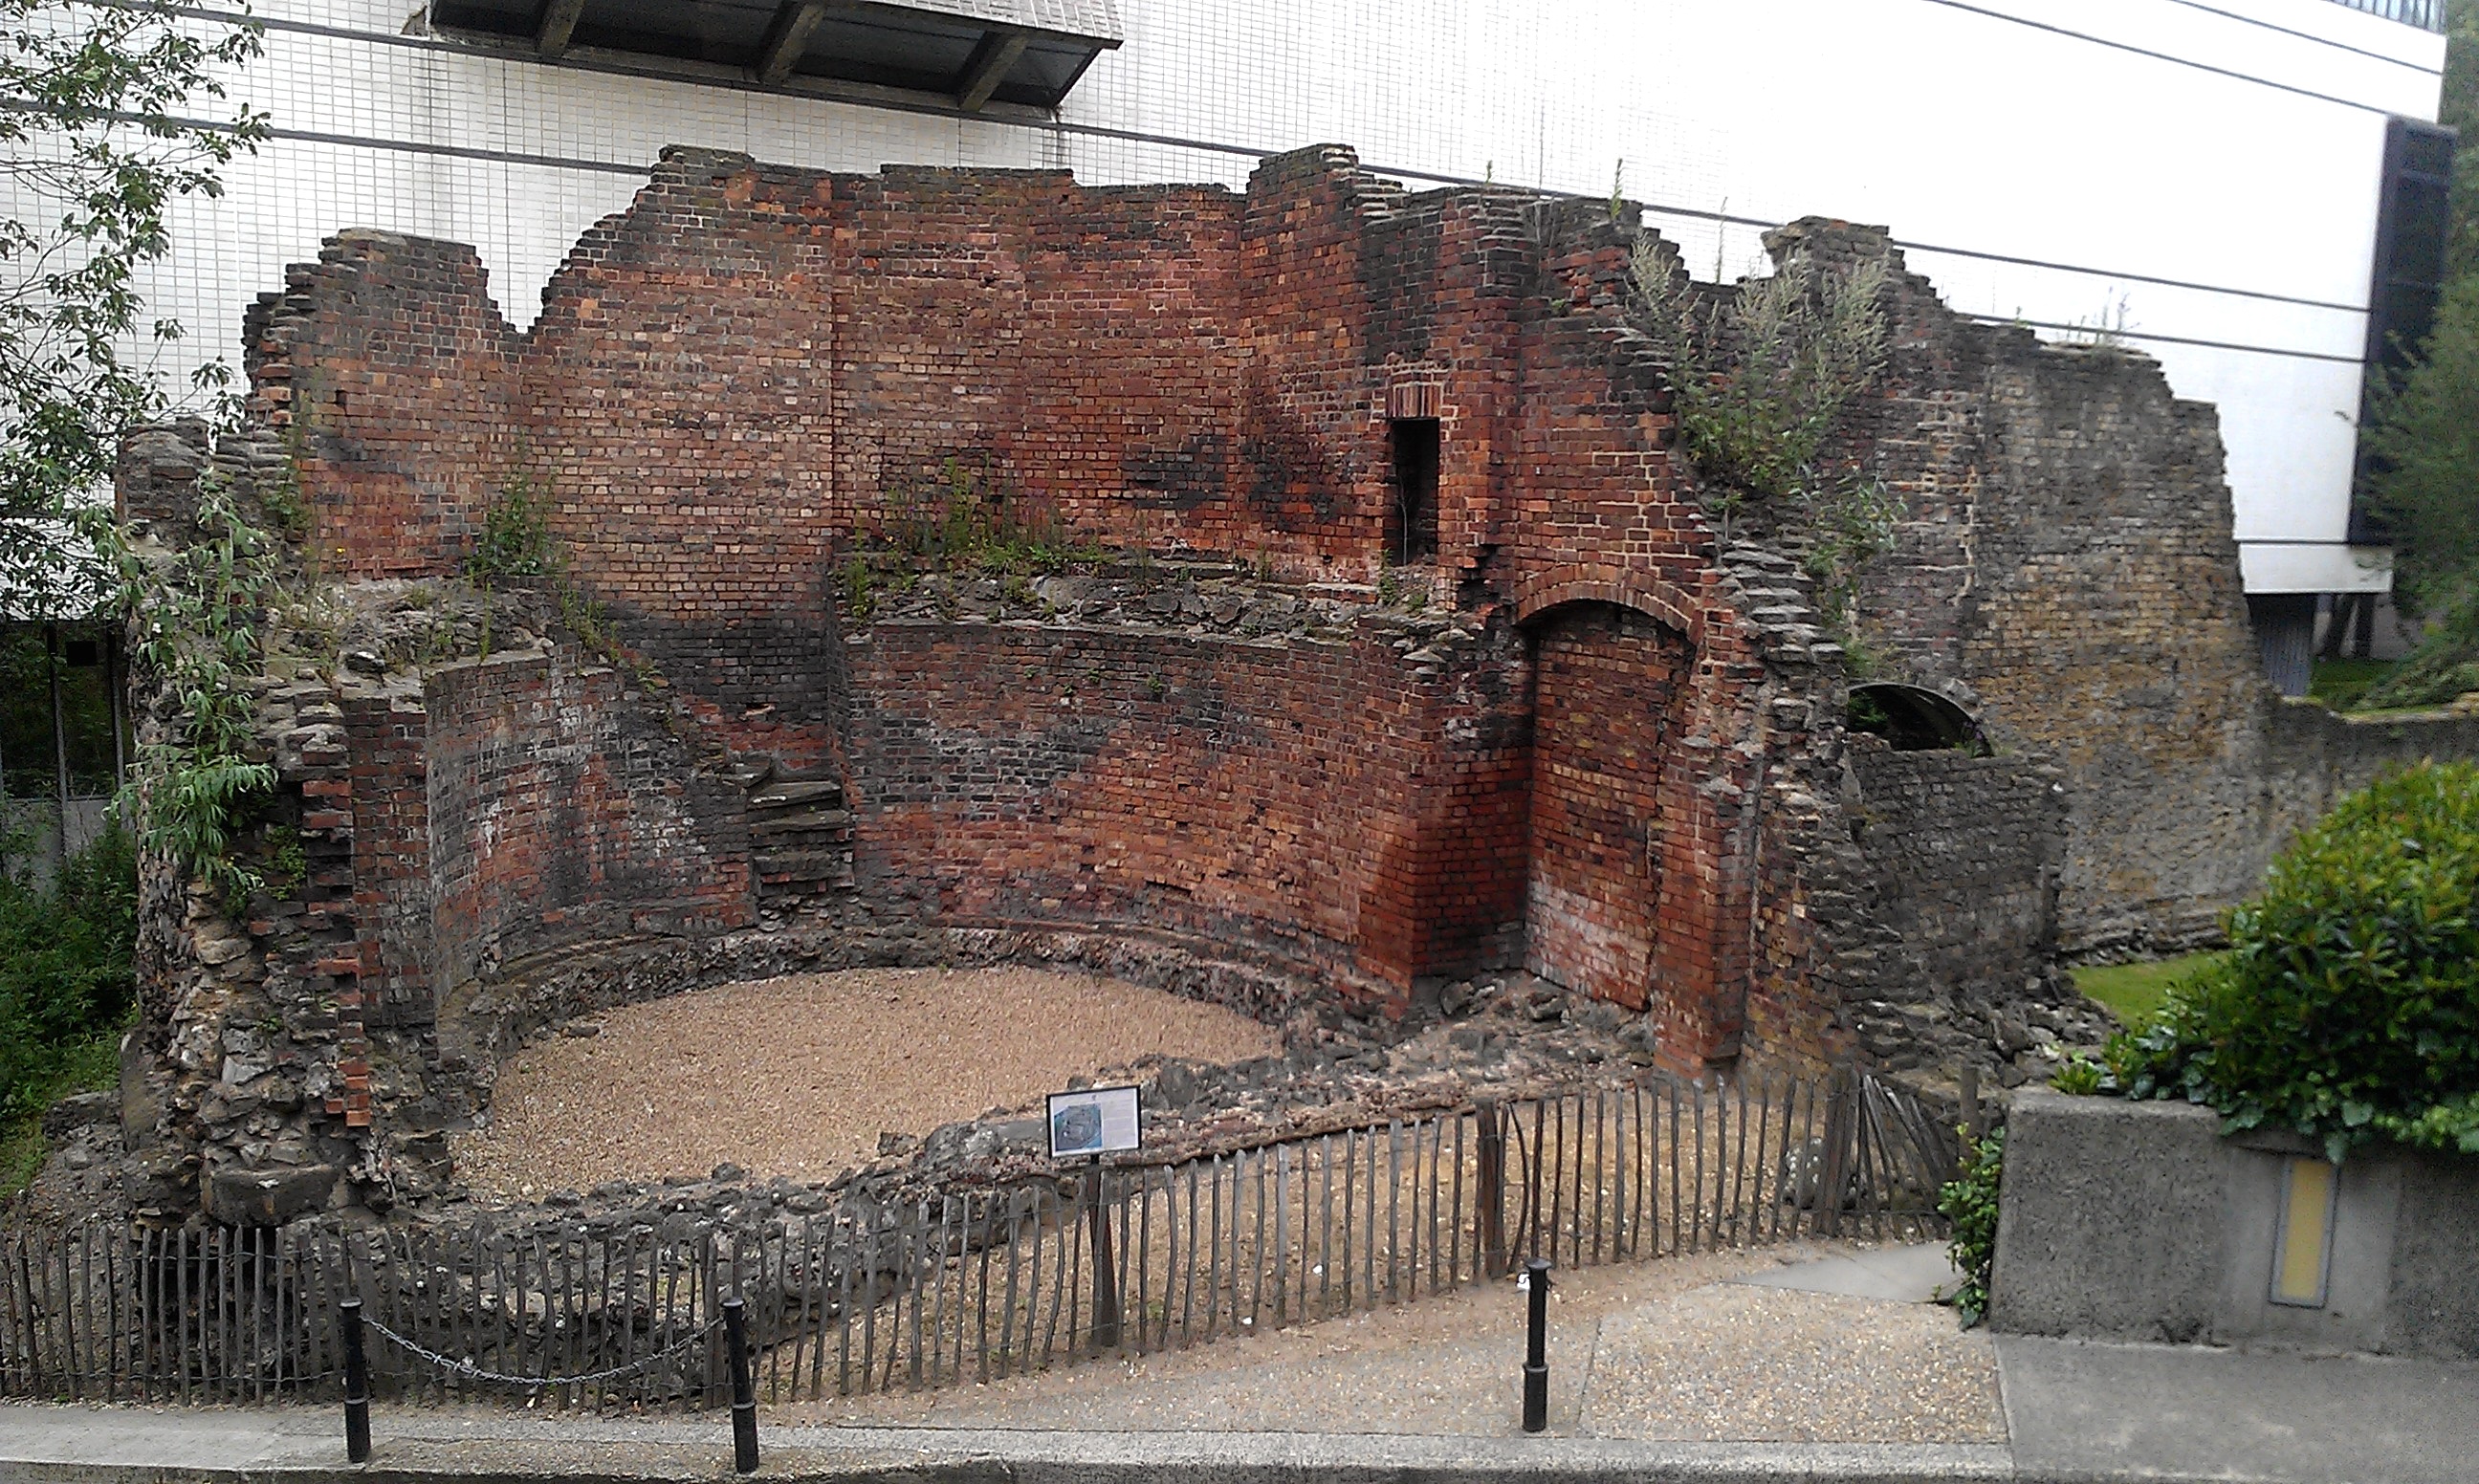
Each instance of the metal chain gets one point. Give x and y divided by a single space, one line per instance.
471 1372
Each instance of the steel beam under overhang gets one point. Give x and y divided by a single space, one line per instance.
789 37
558 24
988 65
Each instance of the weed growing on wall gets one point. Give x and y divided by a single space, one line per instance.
1760 381
515 540
964 524
1970 1203
198 634
518 544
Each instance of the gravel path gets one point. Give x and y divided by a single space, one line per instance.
797 1076
1669 1350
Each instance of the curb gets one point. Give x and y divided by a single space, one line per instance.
106 1447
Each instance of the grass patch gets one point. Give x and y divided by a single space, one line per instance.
2133 991
2342 684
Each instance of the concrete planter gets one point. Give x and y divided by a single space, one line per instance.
2138 1222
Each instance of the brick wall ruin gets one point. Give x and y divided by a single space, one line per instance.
1281 734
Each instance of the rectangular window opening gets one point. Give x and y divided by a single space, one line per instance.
1411 523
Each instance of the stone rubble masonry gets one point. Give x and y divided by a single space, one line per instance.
2066 569
1616 753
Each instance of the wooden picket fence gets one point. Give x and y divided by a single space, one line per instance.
976 1285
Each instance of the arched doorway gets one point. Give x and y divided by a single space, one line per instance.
1913 718
1607 684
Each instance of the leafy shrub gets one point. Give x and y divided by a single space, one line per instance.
2347 1007
1970 1202
65 976
1760 380
194 787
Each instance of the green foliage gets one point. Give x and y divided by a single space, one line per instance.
1760 379
101 136
515 540
66 990
198 634
288 864
1970 1203
2446 665
2344 684
966 525
2347 1007
1848 522
860 597
2080 1077
1759 382
2424 429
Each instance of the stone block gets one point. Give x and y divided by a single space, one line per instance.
266 1197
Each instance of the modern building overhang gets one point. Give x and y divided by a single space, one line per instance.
972 53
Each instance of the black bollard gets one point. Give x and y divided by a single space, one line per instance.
357 1385
743 1393
1536 1348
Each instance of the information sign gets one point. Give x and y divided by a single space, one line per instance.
1098 1120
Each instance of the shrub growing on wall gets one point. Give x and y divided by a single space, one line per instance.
2347 1007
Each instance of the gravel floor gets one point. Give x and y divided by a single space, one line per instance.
797 1076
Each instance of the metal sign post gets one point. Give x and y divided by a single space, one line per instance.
1093 1122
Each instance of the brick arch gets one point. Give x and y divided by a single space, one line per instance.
1613 878
1663 602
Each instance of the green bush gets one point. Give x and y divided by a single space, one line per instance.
66 990
1970 1202
2347 1007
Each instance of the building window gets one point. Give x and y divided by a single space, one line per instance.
1411 523
2412 219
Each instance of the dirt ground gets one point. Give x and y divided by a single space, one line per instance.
799 1075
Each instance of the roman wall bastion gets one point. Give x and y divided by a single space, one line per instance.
1399 648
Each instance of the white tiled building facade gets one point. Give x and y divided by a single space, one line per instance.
2202 173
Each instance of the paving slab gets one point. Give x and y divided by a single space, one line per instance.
1739 1363
2080 1407
1908 1273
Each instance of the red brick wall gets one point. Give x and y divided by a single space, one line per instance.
1606 684
388 742
754 365
560 812
1322 804
394 379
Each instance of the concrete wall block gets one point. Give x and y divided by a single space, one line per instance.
2109 1221
2138 1222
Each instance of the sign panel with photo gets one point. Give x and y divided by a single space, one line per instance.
1098 1120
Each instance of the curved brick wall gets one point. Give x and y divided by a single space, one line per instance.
752 365
1581 738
